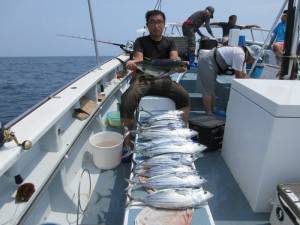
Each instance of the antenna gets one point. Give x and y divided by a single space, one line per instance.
158 5
94 33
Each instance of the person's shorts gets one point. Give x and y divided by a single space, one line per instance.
280 44
206 75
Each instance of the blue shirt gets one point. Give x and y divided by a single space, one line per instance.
279 31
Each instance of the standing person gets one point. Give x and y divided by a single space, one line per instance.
231 24
217 61
193 24
277 40
153 46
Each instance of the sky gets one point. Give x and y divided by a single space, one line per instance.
30 27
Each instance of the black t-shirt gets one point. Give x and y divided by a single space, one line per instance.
154 49
226 27
199 18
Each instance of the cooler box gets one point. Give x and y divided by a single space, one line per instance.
286 208
210 130
261 139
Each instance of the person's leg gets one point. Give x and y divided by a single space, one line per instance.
208 103
278 50
213 102
188 32
206 79
186 113
129 103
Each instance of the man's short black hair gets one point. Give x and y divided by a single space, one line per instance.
232 16
154 13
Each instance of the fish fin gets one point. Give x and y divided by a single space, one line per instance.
127 154
130 184
130 197
128 180
165 74
128 203
123 64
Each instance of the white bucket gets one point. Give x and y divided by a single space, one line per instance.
106 148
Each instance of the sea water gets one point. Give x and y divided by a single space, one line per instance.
25 81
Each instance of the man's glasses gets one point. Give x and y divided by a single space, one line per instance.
153 22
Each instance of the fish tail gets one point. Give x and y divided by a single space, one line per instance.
130 184
128 180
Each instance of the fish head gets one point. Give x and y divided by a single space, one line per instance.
200 196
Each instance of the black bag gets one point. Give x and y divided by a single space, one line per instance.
210 130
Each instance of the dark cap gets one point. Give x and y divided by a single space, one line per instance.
285 12
211 10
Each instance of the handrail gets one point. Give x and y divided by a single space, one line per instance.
43 101
269 35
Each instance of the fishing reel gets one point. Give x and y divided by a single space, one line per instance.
128 48
6 136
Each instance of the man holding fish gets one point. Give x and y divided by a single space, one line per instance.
153 76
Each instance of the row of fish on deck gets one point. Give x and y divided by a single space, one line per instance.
164 164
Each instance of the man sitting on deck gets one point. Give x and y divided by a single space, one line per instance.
153 46
216 62
231 24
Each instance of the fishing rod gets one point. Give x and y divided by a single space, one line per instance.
126 48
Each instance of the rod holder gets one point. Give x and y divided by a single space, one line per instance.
10 136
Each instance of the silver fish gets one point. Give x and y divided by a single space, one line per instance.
187 148
159 133
169 124
170 115
168 159
168 181
162 170
175 198
160 67
143 145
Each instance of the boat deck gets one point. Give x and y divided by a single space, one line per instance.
228 206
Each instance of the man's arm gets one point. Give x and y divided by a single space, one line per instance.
200 34
174 55
215 24
208 28
249 26
240 74
138 56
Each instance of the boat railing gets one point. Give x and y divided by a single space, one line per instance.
21 116
254 35
35 122
53 129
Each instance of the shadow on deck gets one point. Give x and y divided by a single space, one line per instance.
228 206
107 206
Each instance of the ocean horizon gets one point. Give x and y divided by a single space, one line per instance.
27 80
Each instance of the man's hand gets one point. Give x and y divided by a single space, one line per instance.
131 65
240 74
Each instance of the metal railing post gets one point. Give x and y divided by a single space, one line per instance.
94 33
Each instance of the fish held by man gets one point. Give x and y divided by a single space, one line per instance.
160 67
